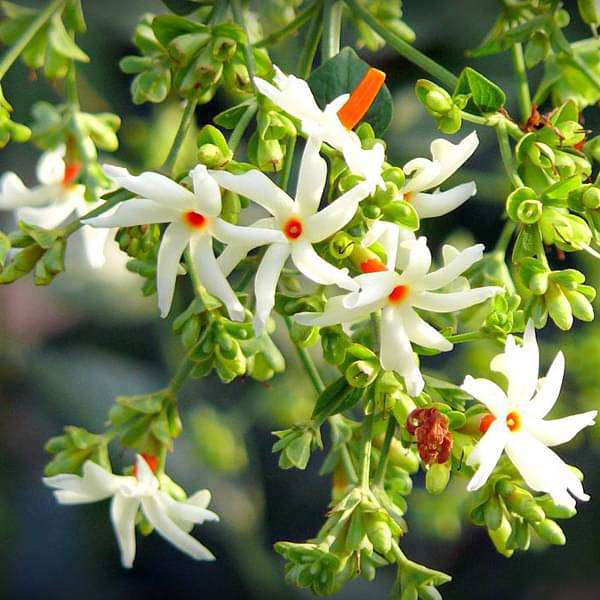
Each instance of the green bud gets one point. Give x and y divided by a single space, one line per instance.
523 503
591 198
402 213
223 48
550 532
379 533
334 346
341 245
493 513
385 196
559 307
555 511
451 122
348 181
436 99
537 49
23 262
516 198
580 305
362 373
394 175
500 537
211 156
529 211
589 11
437 477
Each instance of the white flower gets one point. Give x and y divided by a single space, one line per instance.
299 222
517 424
193 220
398 295
295 97
171 518
53 201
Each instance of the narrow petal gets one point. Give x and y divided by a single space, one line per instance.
189 511
231 257
488 393
13 192
421 172
543 470
173 243
153 186
487 453
451 156
212 277
311 178
206 190
418 260
123 511
388 235
374 288
444 303
422 333
549 389
396 351
366 163
139 211
259 188
94 242
559 431
335 313
311 265
48 217
332 218
265 283
248 236
50 168
458 265
173 534
441 203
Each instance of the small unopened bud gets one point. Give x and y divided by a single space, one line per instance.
550 532
529 211
591 198
341 245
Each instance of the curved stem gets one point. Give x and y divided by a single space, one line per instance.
238 15
332 28
518 61
15 50
365 451
397 43
506 153
385 451
187 119
505 237
310 46
241 126
293 26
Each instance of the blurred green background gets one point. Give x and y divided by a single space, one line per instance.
66 351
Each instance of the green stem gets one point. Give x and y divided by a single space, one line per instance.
506 154
307 362
15 50
290 28
401 559
332 28
287 163
71 86
181 375
311 44
492 121
241 126
505 237
238 15
385 451
518 61
187 119
218 13
397 43
376 325
365 451
461 338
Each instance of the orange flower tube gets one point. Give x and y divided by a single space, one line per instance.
361 98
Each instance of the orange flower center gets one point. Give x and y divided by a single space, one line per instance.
486 423
409 196
372 265
71 172
293 229
361 98
513 421
194 219
398 293
152 462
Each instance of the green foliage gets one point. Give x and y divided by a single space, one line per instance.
73 448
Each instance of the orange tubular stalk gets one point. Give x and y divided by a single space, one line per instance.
361 98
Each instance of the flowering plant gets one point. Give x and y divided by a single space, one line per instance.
341 264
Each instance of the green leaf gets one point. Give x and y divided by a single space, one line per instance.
168 27
340 75
486 96
229 118
63 44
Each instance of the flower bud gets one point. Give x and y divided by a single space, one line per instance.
522 502
436 99
341 245
334 344
223 48
581 307
529 211
450 122
591 197
493 513
518 197
559 308
436 478
379 533
550 532
394 175
362 373
555 511
589 11
402 213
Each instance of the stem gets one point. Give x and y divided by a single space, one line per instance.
332 28
493 121
238 15
376 324
523 85
307 363
15 50
290 28
310 46
241 126
186 121
469 336
506 153
397 43
287 163
385 451
505 237
181 375
365 451
71 86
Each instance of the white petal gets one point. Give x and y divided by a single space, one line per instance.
421 172
335 313
443 303
230 258
396 351
459 264
388 235
48 217
374 287
189 511
139 211
311 178
420 332
265 283
487 453
94 242
154 186
549 389
206 190
173 534
489 394
247 236
311 265
451 156
51 167
418 262
259 188
441 203
543 470
212 277
559 431
366 163
333 217
13 192
123 511
173 243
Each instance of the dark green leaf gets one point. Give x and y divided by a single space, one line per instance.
486 96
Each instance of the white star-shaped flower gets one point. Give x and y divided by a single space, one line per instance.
398 295
54 201
171 518
299 222
294 96
517 425
193 219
